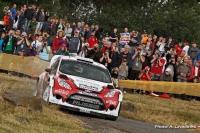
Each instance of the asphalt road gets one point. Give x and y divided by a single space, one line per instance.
121 125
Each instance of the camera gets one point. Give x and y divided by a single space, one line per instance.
45 44
95 48
85 47
105 54
145 71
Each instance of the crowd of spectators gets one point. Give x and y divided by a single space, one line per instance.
128 55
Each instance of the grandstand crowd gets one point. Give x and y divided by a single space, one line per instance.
128 55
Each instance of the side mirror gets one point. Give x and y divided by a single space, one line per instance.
48 70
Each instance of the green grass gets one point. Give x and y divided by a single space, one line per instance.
50 120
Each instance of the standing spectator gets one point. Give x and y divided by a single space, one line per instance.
123 72
47 15
149 44
97 32
158 65
56 41
9 42
11 21
145 75
95 53
63 50
2 41
178 48
138 59
84 49
22 44
124 38
113 36
186 48
44 52
46 25
21 21
64 41
105 59
171 64
6 20
68 31
40 18
61 25
38 42
169 44
114 55
28 15
52 27
193 53
6 9
107 46
148 57
166 76
161 45
134 41
90 31
144 38
75 44
154 41
192 69
92 40
183 71
13 11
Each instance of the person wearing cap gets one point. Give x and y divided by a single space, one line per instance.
158 65
75 44
63 50
64 41
22 44
145 74
166 76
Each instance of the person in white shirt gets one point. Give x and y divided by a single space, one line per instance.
38 42
83 52
186 48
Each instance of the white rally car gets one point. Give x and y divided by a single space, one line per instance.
80 84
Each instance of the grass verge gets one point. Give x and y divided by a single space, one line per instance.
20 120
163 111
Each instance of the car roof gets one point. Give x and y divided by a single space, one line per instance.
77 58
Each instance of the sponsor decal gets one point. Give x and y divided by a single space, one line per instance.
89 94
111 102
84 110
86 99
63 92
87 105
86 87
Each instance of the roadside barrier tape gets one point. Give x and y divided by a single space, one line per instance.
192 89
31 65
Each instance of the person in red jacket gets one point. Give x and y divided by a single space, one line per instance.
192 68
178 48
92 40
56 41
6 20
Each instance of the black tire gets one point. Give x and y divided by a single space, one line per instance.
114 118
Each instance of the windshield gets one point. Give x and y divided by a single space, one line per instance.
85 70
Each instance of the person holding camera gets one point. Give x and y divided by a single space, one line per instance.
63 50
94 53
145 74
84 50
22 44
105 59
138 59
9 43
44 51
158 64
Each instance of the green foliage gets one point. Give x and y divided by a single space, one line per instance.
176 18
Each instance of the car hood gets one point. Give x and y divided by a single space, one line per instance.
88 84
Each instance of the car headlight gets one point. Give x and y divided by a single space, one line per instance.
110 94
64 84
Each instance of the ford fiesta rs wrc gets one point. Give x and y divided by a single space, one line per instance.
80 84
